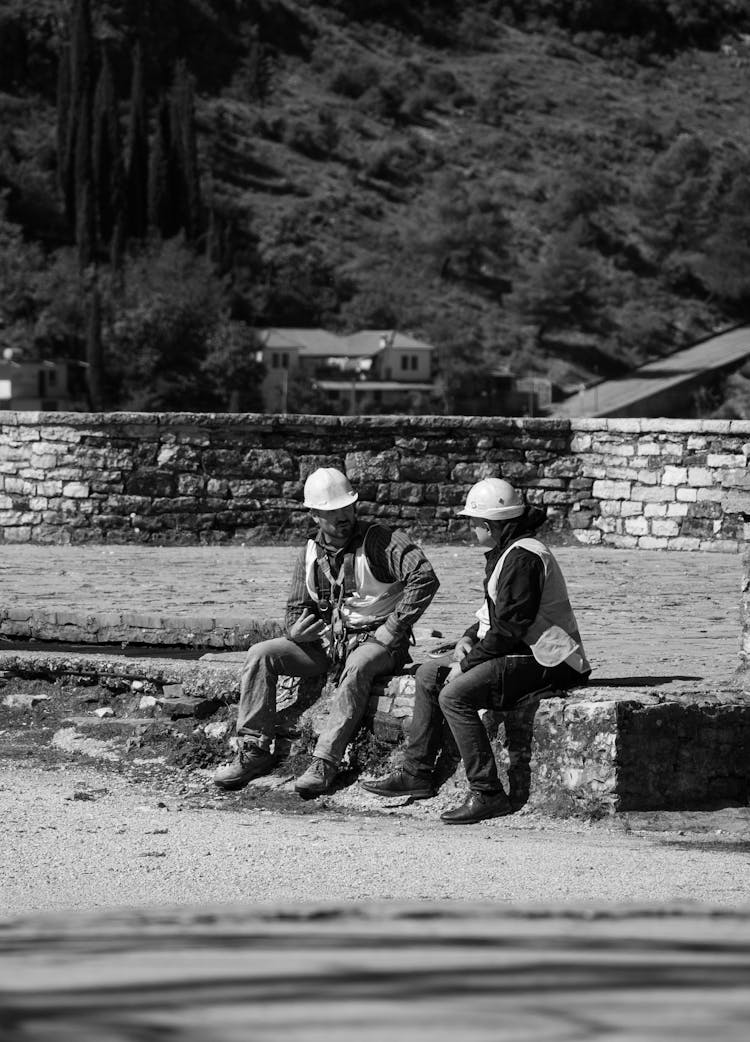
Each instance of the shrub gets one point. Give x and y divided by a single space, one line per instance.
417 104
353 79
441 81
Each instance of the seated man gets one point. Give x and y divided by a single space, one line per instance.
356 592
526 639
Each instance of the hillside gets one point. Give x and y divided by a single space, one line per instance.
569 204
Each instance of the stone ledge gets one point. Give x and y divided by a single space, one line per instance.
595 751
151 629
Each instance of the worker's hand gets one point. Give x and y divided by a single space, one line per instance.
462 649
307 628
454 671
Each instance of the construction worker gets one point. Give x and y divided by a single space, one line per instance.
525 640
356 592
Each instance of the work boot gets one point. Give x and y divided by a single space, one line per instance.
250 762
317 779
478 807
399 783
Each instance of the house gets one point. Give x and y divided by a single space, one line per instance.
504 393
373 371
42 386
668 386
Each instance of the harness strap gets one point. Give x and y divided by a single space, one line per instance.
341 583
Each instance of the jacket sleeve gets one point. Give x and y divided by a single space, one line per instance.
519 594
299 597
394 557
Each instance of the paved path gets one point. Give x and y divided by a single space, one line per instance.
648 617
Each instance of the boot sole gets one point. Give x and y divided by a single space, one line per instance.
475 821
234 786
414 794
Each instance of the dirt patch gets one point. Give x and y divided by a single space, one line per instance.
53 723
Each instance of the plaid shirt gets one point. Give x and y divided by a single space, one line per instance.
392 556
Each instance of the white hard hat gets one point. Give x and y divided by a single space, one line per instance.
493 500
328 489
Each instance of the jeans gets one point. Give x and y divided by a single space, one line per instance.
496 684
270 659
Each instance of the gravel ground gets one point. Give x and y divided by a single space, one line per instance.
78 837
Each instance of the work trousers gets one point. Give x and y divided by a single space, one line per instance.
270 659
497 684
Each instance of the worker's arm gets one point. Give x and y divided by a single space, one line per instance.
519 593
299 603
394 557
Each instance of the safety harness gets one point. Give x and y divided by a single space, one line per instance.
343 638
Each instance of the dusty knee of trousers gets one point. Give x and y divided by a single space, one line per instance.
448 700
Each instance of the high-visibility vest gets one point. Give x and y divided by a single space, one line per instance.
553 636
369 602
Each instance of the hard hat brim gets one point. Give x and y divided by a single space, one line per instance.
494 513
344 500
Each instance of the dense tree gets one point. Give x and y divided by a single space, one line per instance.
163 211
185 150
108 165
725 268
169 342
470 234
564 286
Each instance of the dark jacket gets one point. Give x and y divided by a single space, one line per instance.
518 596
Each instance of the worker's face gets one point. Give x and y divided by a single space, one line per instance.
336 526
483 533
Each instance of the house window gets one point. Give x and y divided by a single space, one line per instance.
274 361
414 361
404 362
285 361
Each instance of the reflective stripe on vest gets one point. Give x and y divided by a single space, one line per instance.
553 636
371 601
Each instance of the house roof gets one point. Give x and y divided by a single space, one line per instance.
318 343
368 341
613 397
310 342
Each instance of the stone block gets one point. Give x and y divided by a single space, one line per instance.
700 476
714 459
611 489
622 542
652 494
589 537
664 528
76 490
656 509
674 475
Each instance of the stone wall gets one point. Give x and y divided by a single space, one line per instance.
745 622
183 478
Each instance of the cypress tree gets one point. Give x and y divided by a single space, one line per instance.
137 150
259 70
64 156
163 212
108 166
81 89
94 352
186 150
84 187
